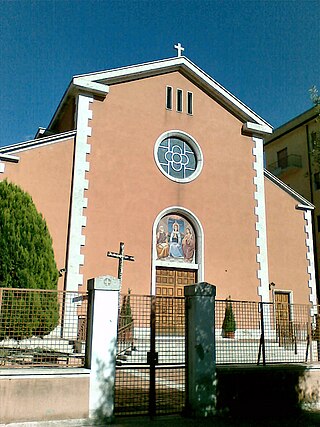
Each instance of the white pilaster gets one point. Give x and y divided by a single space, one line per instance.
101 355
310 257
260 211
79 202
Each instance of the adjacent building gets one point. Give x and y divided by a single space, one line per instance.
289 156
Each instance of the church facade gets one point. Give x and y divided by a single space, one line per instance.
163 158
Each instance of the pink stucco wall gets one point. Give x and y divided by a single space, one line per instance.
287 250
45 173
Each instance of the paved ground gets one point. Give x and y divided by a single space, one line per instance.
301 420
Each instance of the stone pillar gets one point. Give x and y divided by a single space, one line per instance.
102 345
200 350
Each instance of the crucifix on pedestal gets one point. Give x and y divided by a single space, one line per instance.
121 257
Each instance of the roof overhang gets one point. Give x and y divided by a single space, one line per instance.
78 85
9 158
255 129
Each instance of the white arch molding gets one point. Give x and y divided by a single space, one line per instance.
194 221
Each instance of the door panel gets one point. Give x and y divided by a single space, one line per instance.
169 285
283 317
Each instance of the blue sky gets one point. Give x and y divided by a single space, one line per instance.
264 52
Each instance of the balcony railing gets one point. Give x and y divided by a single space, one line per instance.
291 162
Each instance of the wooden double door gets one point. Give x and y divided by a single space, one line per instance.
169 291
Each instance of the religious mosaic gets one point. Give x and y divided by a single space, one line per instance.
175 239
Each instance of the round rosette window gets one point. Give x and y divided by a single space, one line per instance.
178 156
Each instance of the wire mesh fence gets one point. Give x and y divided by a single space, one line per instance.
42 328
266 333
48 328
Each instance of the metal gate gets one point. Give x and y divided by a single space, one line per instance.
150 371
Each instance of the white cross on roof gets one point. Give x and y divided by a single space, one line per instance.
179 48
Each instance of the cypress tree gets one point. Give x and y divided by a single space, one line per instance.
26 262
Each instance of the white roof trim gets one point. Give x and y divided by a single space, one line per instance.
304 207
93 87
9 158
133 70
22 146
249 128
303 203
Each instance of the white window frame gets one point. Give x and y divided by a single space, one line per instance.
194 145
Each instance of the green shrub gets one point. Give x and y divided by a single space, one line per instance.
229 321
26 262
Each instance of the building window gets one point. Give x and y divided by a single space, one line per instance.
282 157
190 102
316 177
179 100
178 156
169 98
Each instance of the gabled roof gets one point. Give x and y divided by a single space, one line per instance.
97 83
303 203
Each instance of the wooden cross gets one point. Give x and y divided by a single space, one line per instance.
121 257
179 48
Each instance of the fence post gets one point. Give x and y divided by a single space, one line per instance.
262 337
200 350
102 344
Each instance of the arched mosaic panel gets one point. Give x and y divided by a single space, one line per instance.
175 240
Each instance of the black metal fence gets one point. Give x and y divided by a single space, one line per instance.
150 374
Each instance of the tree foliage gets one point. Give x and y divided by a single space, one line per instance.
314 95
26 262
